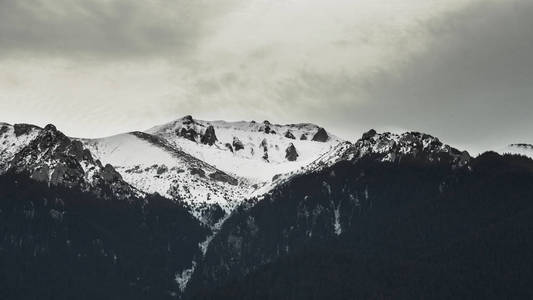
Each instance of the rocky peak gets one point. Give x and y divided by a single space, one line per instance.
290 153
289 135
410 145
187 120
237 144
321 135
369 134
22 129
54 158
264 146
209 137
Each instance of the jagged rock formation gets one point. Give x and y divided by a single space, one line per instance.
264 146
289 135
410 145
321 135
237 144
209 137
188 133
229 146
291 153
54 158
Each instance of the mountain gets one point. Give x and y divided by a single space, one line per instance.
211 165
368 229
197 209
58 242
47 155
250 150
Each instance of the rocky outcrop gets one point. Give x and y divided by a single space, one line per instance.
237 144
197 171
187 120
406 146
21 129
289 135
321 135
265 127
369 134
223 177
54 158
229 146
188 133
290 153
264 146
209 137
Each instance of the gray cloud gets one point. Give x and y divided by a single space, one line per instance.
473 85
461 72
105 29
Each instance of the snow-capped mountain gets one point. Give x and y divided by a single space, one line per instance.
211 165
382 147
153 165
47 155
250 150
240 197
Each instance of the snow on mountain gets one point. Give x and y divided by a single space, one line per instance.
390 147
251 150
47 155
153 165
211 165
384 147
521 149
12 139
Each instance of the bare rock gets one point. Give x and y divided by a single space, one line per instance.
321 135
289 135
290 153
237 144
209 137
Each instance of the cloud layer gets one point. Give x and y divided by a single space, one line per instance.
460 69
104 29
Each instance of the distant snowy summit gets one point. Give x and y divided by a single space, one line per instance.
519 149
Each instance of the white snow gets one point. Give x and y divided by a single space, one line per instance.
127 149
10 144
248 162
153 168
166 167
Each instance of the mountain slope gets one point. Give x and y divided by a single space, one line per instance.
63 243
153 165
211 165
373 229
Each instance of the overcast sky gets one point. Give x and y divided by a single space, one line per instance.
458 69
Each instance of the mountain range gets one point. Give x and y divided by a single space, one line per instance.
195 209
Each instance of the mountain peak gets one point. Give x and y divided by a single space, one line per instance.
411 145
50 156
